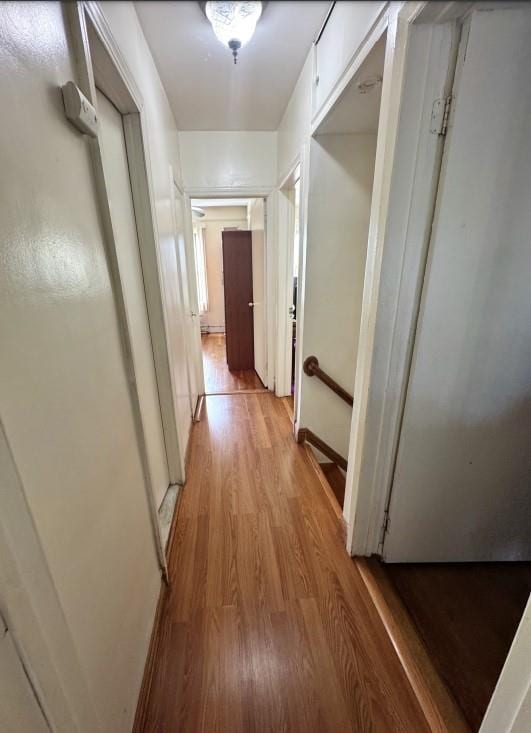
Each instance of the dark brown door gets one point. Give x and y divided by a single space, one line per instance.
238 285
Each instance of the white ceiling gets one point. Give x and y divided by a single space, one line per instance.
206 90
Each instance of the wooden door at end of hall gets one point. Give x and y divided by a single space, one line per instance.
238 288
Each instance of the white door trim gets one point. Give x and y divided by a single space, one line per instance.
192 284
509 708
285 244
99 58
304 186
228 192
193 349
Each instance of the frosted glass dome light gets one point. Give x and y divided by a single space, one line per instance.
233 22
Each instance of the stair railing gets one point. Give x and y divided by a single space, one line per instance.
312 369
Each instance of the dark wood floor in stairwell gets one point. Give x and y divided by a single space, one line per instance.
467 615
267 626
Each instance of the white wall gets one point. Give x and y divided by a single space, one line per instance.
225 160
338 47
216 218
64 395
294 127
341 173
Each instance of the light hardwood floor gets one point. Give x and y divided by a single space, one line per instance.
267 625
218 378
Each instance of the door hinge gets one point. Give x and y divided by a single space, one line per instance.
440 112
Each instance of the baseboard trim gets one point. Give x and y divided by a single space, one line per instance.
198 408
336 508
441 711
139 725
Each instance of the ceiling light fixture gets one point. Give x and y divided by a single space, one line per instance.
233 22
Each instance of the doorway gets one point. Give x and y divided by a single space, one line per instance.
292 310
288 327
454 539
341 164
230 257
189 307
116 170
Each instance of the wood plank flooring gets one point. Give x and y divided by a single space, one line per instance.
467 615
218 378
267 625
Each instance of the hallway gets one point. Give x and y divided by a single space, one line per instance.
218 378
267 626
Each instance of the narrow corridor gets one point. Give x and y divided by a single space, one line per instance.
218 378
267 625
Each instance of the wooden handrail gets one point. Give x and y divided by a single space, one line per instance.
312 369
306 436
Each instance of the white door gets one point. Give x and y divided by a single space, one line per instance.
123 221
462 486
20 711
190 314
257 224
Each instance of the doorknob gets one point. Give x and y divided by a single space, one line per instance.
251 305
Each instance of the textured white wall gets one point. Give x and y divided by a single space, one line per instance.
64 395
224 160
345 31
294 127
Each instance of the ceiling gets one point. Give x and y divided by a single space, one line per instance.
358 109
206 90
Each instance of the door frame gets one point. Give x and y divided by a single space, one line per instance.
192 287
401 213
100 61
193 349
269 194
286 232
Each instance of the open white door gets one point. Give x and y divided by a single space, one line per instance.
461 486
190 316
257 226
